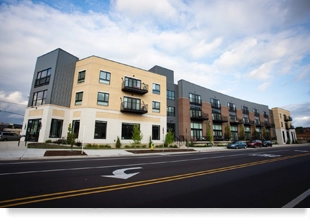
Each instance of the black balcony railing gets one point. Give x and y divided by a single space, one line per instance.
245 111
288 127
132 107
195 101
219 118
256 114
199 115
232 109
288 118
259 123
235 120
247 121
134 87
216 105
269 125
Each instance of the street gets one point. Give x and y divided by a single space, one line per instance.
270 177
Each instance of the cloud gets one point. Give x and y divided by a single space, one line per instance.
300 113
263 72
12 107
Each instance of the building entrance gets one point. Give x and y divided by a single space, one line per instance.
33 130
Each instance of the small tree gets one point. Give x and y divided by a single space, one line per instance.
169 138
70 136
264 133
118 143
254 133
208 133
242 133
227 134
150 142
136 135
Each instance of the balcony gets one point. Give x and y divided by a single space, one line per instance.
288 118
245 111
195 101
256 114
269 125
231 109
259 123
216 105
219 118
199 115
288 127
234 120
132 107
134 86
246 121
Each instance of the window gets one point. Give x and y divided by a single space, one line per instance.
133 83
231 107
78 98
245 110
39 98
155 132
43 78
103 98
234 132
156 106
127 130
81 77
131 103
170 95
76 127
215 103
196 131
100 130
217 132
170 111
104 77
156 88
194 99
56 128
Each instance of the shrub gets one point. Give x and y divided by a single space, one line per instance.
118 143
48 141
127 146
174 146
78 143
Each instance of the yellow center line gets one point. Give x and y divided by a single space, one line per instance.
102 189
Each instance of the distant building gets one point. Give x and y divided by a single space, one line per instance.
304 136
103 99
285 131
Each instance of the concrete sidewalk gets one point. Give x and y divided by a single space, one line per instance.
9 150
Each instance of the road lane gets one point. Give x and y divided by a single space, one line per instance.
162 167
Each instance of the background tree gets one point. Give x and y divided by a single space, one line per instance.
264 133
227 134
208 133
169 138
254 133
242 133
299 130
136 135
70 136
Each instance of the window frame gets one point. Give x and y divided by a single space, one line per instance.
156 88
105 101
45 80
170 95
106 79
171 113
37 97
80 78
155 106
157 136
56 132
78 101
100 123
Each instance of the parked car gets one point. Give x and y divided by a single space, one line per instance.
267 143
9 136
255 143
236 145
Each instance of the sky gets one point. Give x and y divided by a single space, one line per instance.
255 50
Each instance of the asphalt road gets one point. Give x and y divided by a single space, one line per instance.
243 178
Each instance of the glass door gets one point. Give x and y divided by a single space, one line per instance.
33 130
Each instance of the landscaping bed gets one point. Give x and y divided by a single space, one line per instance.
158 151
51 153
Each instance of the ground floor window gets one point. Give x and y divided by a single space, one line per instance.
217 132
127 129
100 130
76 128
234 132
56 128
171 127
33 130
196 131
155 132
247 132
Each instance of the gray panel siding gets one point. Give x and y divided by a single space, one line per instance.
63 81
45 61
206 94
165 72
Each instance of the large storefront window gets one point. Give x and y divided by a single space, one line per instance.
56 128
33 130
196 131
234 132
76 127
100 130
127 130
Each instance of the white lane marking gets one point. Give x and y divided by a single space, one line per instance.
119 165
265 155
297 200
120 173
303 151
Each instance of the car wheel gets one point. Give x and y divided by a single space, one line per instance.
5 139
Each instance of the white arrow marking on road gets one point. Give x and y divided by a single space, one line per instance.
120 173
265 155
